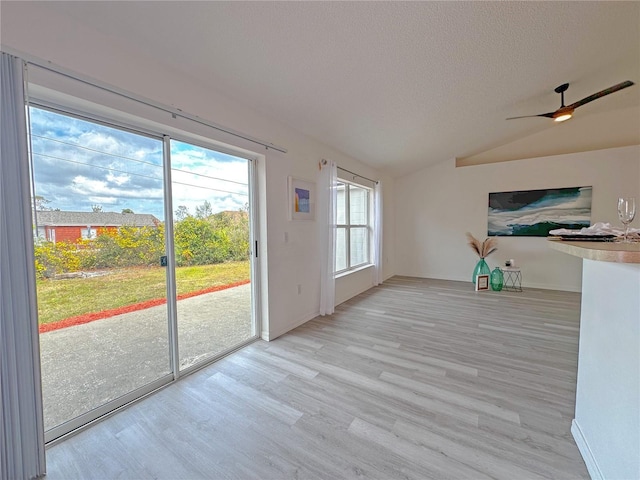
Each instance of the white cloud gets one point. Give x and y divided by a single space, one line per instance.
126 170
118 179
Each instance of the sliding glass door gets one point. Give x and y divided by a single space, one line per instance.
212 238
98 213
123 308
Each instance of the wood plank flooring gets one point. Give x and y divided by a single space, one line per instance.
414 379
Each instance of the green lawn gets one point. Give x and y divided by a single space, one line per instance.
60 299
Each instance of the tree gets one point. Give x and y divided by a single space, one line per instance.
96 208
182 212
40 203
204 211
127 210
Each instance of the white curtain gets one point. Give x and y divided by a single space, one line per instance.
21 425
327 208
378 275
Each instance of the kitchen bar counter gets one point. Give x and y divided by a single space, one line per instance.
600 251
606 425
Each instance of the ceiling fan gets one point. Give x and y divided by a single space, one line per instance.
566 112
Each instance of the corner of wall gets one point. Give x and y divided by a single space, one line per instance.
585 451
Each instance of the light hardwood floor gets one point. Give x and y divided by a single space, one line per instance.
414 379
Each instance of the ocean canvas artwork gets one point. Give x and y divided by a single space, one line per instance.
533 213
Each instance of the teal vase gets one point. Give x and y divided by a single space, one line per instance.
481 269
497 279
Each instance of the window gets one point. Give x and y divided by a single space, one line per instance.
88 233
353 237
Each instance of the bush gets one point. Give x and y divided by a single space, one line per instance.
129 246
198 243
54 258
200 240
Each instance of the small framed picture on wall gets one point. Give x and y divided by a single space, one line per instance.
482 282
302 199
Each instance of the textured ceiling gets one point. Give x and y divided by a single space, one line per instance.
397 85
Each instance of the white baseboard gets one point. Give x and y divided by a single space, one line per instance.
268 335
525 283
553 286
585 451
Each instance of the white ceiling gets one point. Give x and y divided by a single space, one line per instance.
397 85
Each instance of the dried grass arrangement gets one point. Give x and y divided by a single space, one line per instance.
483 249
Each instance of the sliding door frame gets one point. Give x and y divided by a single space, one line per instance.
142 127
256 323
172 289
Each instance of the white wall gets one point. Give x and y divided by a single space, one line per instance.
436 206
607 419
30 30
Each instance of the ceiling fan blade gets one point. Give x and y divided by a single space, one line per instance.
600 94
548 115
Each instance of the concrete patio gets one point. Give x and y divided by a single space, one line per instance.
87 365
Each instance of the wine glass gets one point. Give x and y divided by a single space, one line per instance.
626 213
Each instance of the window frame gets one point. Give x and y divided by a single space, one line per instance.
348 226
88 233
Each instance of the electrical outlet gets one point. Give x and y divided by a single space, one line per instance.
286 237
299 289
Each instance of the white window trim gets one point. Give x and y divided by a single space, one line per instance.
348 226
346 273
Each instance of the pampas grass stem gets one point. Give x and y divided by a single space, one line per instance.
482 249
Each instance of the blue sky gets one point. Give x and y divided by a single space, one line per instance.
78 164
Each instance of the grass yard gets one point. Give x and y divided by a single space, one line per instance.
60 299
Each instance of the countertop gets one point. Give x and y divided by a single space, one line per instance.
601 251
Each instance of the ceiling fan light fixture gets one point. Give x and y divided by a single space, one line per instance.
563 114
563 117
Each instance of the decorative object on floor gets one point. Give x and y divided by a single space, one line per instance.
302 201
497 279
481 268
533 213
512 279
483 250
482 283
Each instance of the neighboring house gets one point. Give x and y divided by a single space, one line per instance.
60 226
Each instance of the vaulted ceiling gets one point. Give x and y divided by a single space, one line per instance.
398 85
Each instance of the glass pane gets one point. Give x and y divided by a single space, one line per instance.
342 205
211 230
359 246
358 205
98 211
341 249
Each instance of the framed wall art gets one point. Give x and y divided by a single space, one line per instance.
533 213
302 199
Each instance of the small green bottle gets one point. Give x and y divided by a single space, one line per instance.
497 279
